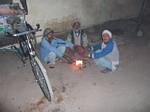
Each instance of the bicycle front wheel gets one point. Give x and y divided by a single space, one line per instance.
41 77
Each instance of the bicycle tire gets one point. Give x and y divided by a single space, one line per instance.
42 78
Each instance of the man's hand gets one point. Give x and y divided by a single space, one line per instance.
78 49
91 55
69 52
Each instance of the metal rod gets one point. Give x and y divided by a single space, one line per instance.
140 16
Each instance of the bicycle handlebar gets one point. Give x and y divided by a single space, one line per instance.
27 32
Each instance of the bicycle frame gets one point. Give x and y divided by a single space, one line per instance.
14 25
37 67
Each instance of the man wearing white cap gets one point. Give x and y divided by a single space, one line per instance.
106 54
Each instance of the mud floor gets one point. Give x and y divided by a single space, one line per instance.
86 90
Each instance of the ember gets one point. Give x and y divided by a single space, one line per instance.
79 63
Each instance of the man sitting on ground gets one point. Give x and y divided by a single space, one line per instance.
79 39
106 54
52 47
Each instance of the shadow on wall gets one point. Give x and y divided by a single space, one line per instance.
60 25
4 108
147 8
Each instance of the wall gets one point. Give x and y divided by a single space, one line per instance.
147 7
59 14
5 1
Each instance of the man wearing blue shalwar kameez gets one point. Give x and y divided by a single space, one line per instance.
106 54
52 47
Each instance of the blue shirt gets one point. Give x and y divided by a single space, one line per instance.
102 52
46 47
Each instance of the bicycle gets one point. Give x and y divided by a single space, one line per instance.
28 49
15 29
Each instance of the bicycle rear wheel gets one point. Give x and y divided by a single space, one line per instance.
41 77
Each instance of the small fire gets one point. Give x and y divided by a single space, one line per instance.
79 63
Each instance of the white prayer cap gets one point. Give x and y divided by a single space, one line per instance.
108 32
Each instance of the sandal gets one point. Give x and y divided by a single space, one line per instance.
106 70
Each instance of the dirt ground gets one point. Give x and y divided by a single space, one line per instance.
86 90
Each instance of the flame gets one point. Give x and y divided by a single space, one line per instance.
79 63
